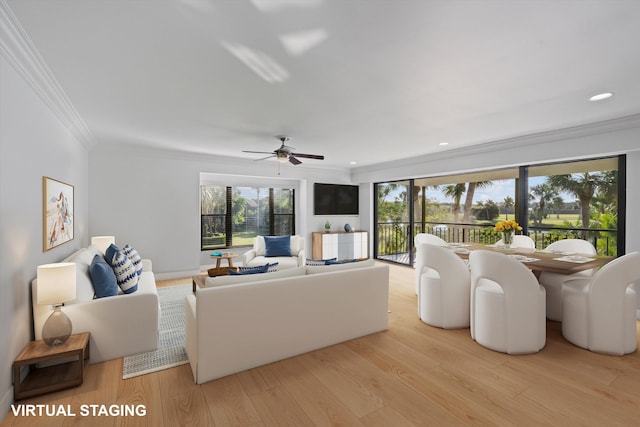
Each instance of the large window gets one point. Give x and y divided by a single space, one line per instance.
233 216
556 201
575 200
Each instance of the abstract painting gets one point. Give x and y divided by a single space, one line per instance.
57 212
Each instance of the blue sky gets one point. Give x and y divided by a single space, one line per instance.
496 192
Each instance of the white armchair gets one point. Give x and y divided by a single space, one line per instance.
443 299
257 255
553 282
599 314
520 241
430 239
507 304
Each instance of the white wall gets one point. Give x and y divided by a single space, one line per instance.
150 199
33 143
633 207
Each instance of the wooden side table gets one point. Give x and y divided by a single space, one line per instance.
50 378
218 270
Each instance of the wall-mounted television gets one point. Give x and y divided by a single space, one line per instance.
335 199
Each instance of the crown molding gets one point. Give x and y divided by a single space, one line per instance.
18 49
574 132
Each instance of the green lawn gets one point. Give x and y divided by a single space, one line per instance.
551 220
239 239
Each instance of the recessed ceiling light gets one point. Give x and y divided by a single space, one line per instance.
353 163
444 143
601 96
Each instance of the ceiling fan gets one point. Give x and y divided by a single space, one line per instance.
285 153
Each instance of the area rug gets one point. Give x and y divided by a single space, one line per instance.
171 351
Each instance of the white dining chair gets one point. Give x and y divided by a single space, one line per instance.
520 241
553 282
418 240
599 313
443 299
507 307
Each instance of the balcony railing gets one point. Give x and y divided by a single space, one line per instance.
393 238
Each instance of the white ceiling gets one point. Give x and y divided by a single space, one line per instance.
356 80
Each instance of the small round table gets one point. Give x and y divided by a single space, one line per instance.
218 270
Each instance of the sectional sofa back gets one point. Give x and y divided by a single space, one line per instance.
239 327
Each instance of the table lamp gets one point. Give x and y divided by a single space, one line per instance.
103 242
56 284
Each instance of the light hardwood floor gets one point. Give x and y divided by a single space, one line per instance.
410 375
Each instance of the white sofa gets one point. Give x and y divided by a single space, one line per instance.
120 325
236 327
256 256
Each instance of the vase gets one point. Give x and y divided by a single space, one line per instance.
507 239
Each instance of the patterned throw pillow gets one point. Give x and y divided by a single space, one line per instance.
319 261
344 261
249 270
135 258
125 272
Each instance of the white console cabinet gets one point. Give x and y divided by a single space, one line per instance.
340 245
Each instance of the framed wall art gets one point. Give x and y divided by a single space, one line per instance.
57 215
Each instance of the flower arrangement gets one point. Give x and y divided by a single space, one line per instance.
508 229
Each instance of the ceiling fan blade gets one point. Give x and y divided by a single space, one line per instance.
294 161
265 158
308 156
259 152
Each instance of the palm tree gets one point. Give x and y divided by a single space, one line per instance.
471 189
455 191
583 186
507 204
557 204
545 193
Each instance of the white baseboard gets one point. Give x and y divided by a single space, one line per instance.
5 403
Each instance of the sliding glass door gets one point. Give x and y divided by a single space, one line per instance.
556 201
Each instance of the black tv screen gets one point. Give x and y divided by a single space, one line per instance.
335 199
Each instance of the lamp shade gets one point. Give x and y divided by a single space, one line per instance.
103 242
56 283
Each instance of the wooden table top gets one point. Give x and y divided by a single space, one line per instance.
39 351
539 260
225 255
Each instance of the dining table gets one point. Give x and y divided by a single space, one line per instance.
538 260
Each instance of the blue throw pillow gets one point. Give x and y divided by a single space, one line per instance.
110 252
249 270
103 278
277 246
